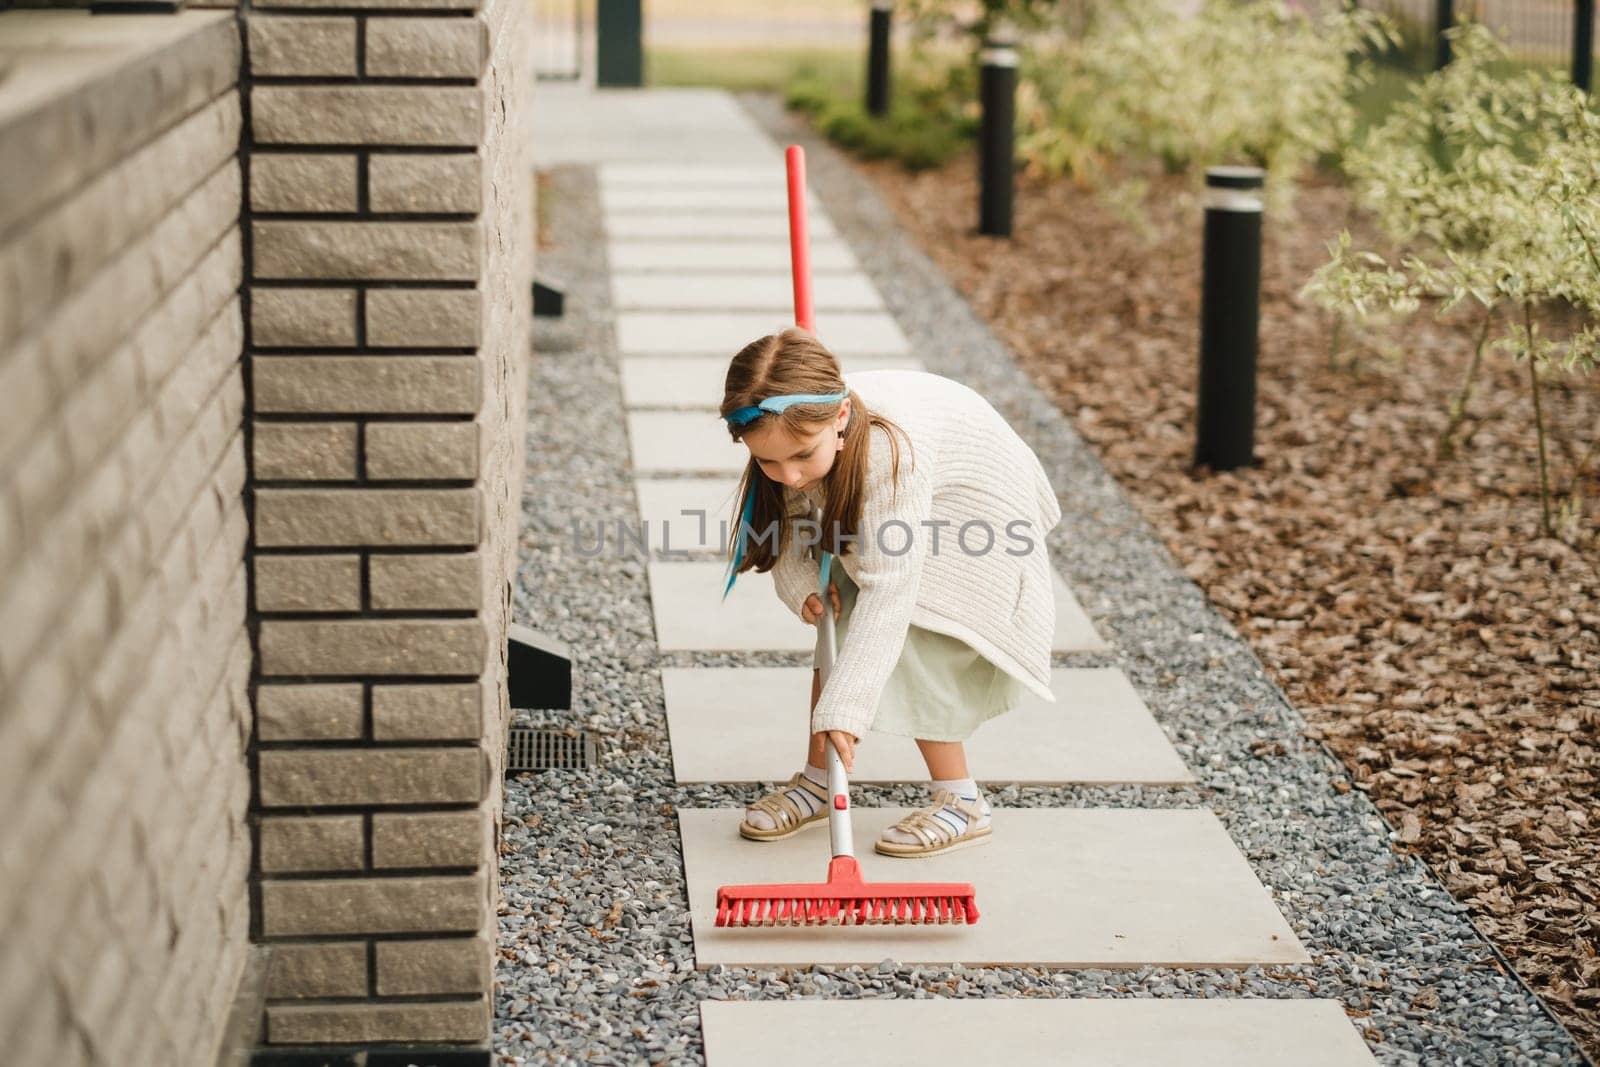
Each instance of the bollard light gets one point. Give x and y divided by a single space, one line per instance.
1444 17
878 58
997 88
1583 43
1230 313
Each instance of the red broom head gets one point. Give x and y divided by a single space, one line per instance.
845 900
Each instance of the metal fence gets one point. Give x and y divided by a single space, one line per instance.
1535 31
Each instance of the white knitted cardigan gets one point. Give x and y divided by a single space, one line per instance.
965 465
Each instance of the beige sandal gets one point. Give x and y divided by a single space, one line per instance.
934 835
787 817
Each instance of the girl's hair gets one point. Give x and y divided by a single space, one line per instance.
794 361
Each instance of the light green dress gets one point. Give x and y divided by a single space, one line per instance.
941 689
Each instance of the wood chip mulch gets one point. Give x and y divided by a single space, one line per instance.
1443 647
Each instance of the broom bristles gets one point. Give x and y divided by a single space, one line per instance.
845 900
738 910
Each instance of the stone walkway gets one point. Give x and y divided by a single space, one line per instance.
1173 877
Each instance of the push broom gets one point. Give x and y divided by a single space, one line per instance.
844 899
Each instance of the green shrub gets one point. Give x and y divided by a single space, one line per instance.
1256 83
807 94
932 114
1491 185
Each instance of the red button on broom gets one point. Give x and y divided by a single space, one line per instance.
844 899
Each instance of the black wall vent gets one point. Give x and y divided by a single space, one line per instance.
528 749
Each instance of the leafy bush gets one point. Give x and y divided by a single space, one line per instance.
1490 182
1239 83
932 111
1257 83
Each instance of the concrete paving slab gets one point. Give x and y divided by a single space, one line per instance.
690 614
581 124
700 226
772 198
672 509
736 292
1033 1032
698 381
683 441
1097 732
1056 887
646 333
692 175
686 601
722 256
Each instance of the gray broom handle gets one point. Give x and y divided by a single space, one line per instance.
838 783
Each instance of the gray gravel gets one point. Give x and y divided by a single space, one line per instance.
597 961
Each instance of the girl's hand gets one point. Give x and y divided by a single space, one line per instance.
845 743
811 610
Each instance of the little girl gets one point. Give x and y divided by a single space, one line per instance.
940 581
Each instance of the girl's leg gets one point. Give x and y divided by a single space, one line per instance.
947 760
947 766
806 800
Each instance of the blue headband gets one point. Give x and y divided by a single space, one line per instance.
778 403
747 415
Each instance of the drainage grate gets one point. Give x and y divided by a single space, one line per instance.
528 749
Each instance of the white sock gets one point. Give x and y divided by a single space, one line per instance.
802 800
955 819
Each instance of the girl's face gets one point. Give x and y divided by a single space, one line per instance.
798 462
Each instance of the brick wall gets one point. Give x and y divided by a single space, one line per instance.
124 651
389 264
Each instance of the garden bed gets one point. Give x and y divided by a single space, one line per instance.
1410 608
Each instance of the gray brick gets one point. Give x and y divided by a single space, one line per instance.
428 839
80 234
312 843
323 777
440 965
445 116
333 969
427 712
308 712
116 303
376 251
307 583
380 385
425 48
371 905
452 1021
415 318
450 582
302 317
305 451
434 183
119 96
40 478
422 450
336 517
296 46
382 5
373 646
294 181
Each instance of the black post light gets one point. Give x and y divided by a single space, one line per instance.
997 89
1583 44
1230 312
1444 17
878 58
133 7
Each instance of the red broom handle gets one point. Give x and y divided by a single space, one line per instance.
799 247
